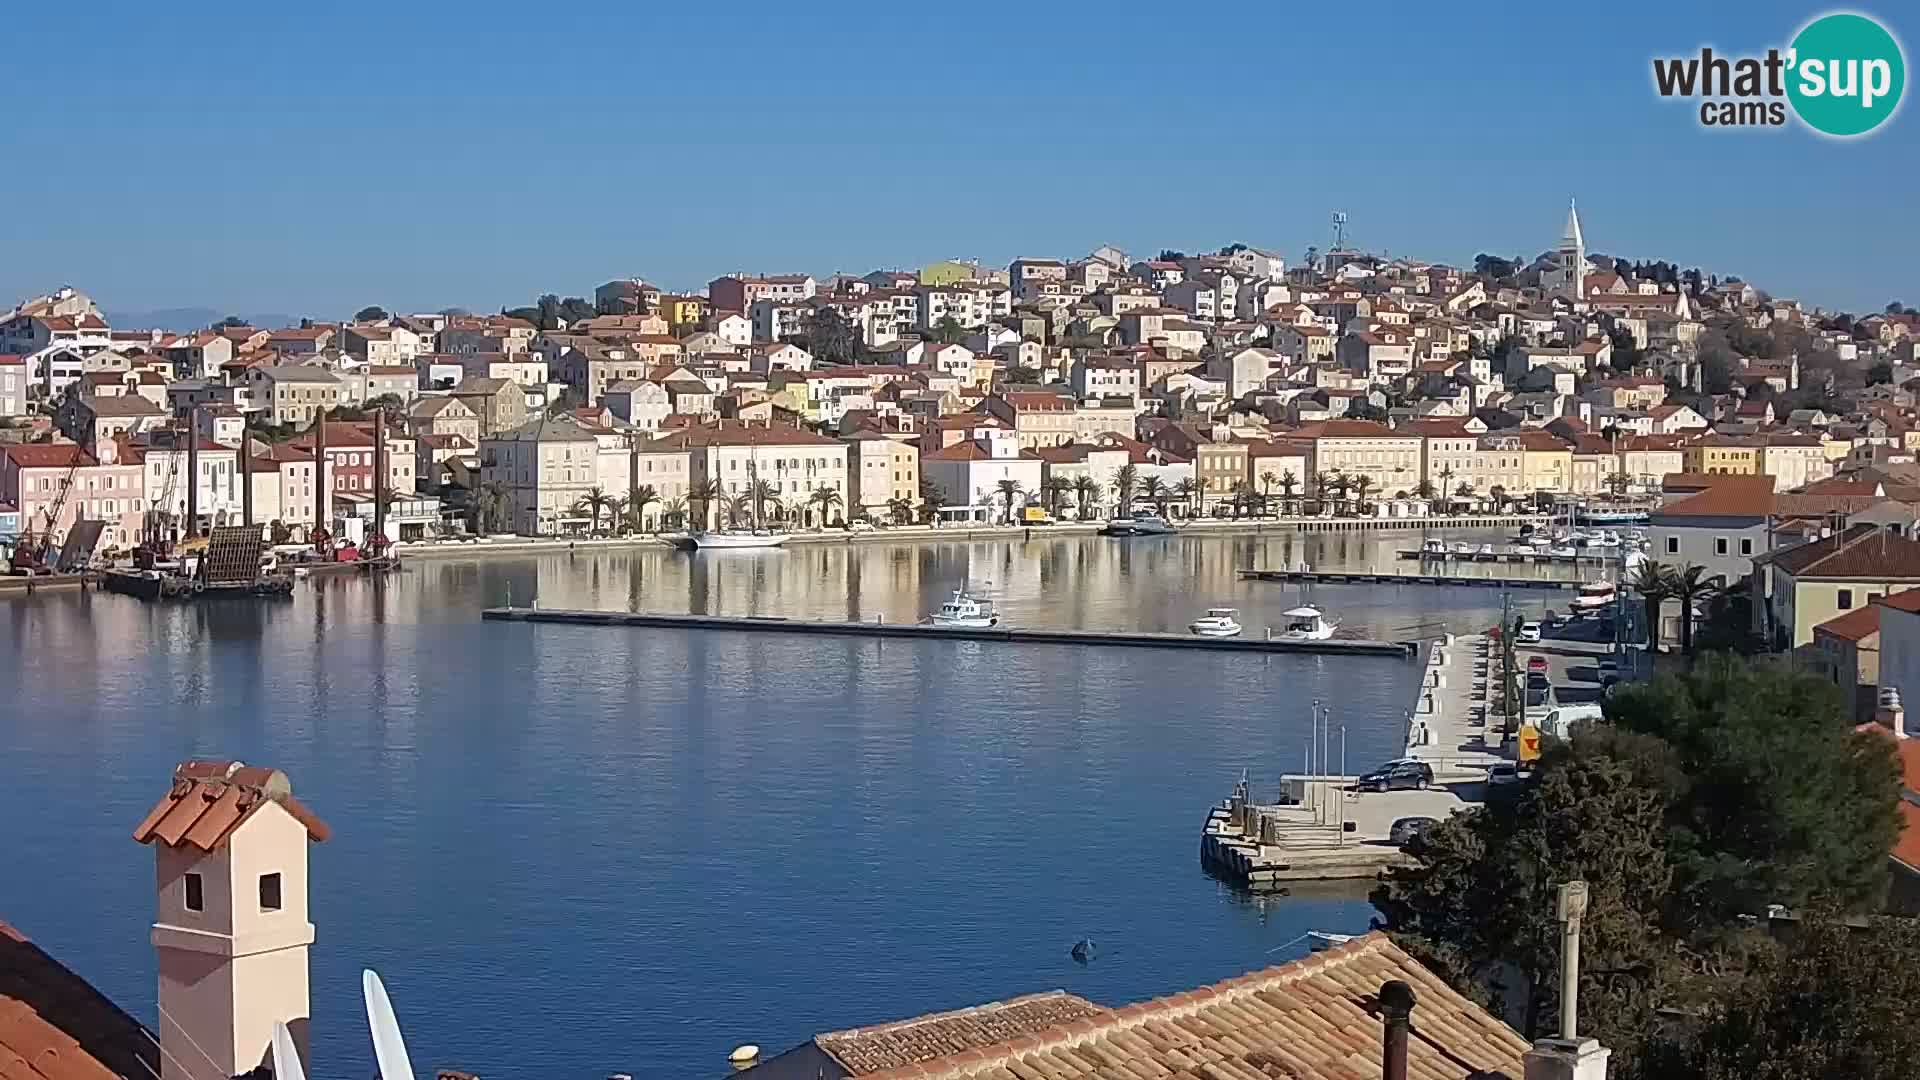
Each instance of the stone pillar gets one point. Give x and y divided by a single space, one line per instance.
1567 1059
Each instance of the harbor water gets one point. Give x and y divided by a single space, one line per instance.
578 851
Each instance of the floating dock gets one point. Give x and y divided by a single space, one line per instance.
1599 557
1319 577
1251 643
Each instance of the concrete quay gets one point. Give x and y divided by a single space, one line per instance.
1319 829
1364 577
922 631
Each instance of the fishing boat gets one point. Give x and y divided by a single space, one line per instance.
965 611
1217 622
1307 624
1593 598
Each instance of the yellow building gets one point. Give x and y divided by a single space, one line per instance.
948 272
680 311
1724 455
1526 461
1811 583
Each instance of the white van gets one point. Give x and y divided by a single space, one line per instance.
1560 720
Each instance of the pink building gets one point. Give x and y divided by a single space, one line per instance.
32 476
230 926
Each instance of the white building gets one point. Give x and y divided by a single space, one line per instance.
548 466
969 473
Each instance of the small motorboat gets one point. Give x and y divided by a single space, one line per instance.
1139 523
1432 548
1217 622
1594 598
1307 624
965 611
1563 551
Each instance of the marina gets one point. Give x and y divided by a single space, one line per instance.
1322 827
1344 577
1276 640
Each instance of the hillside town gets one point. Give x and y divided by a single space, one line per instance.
1222 385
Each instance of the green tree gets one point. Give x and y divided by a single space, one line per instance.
763 492
279 533
901 510
830 337
701 498
739 509
1156 492
1880 372
1009 491
1478 900
1289 483
1086 495
1831 1001
371 313
638 500
1783 801
948 330
1126 481
1693 588
826 499
1056 490
597 502
1188 493
1361 484
673 512
1654 582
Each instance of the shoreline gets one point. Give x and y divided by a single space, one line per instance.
410 550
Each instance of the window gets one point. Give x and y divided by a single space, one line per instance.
1719 545
1746 545
1673 545
1846 599
196 899
270 892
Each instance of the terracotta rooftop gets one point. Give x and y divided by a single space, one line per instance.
1317 1017
1857 625
55 1026
210 799
868 1050
1859 551
1747 496
47 455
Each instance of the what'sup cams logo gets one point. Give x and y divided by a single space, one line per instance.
1843 76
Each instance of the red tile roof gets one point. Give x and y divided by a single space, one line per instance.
210 799
1317 1017
1857 625
1745 496
1859 551
55 1026
48 455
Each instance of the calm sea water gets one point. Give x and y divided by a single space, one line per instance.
573 851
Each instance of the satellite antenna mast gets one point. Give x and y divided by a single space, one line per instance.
1339 230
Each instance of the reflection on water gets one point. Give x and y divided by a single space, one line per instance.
575 851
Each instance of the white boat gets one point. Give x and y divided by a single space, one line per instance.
1307 624
965 611
738 538
1563 551
1595 597
1485 549
1140 523
1461 547
1217 622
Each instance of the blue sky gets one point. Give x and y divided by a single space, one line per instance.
312 159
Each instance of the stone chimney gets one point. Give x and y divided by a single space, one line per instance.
230 927
1890 713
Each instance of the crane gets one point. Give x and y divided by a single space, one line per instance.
31 555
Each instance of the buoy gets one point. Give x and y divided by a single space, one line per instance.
744 1056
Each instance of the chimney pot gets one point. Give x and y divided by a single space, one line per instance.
1396 1003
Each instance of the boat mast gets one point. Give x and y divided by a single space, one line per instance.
753 481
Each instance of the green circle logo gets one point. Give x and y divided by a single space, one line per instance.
1847 74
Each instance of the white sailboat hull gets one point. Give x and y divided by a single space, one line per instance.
732 541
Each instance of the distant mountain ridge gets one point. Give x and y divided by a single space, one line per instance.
181 320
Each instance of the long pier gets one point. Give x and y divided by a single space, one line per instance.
1589 557
925 632
1334 577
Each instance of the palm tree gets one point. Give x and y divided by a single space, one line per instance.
1125 482
637 502
1498 494
827 498
700 500
762 492
1189 493
621 518
1086 492
1244 498
1654 582
1463 492
901 509
1156 492
1056 489
674 511
1424 489
1617 483
1288 482
1693 588
1332 488
594 503
1009 491
1360 483
739 508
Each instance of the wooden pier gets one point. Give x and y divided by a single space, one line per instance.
1252 642
1591 556
1336 577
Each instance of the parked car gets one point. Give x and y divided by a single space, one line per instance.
1398 776
859 526
1529 634
1405 829
1536 662
1502 774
